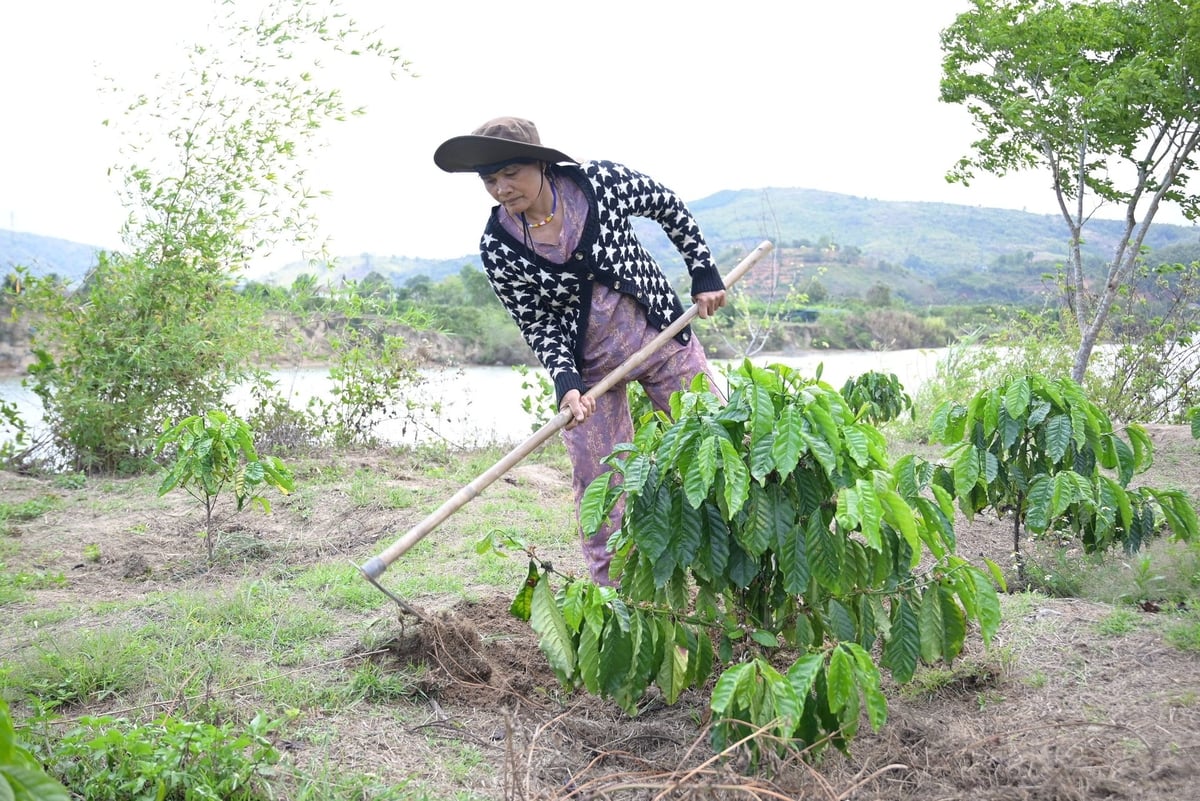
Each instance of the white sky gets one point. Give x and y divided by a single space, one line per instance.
704 95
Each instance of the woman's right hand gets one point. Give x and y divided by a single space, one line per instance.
581 407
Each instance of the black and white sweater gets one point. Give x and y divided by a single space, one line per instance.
550 302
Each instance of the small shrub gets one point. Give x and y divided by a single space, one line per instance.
876 397
21 776
215 451
113 759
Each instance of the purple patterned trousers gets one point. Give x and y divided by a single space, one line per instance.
617 328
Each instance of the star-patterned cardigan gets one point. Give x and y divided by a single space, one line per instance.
550 302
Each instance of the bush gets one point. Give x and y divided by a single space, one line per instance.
112 759
138 344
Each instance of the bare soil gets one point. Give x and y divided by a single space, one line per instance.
1055 710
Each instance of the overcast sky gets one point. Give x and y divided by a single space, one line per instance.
704 95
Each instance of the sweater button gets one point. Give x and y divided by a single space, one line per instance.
686 336
617 285
578 257
591 277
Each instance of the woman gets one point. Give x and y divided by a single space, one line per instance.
562 256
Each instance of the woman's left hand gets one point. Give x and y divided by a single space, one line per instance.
581 406
709 302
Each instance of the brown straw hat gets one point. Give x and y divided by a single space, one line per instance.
495 144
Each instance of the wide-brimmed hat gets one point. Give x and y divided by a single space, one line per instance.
493 145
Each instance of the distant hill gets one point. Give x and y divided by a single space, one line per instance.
397 269
924 252
44 255
936 238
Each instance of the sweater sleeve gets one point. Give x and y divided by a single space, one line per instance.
515 283
648 198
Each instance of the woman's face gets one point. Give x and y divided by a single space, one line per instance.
516 187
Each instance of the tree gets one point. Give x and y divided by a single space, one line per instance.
1041 452
878 296
1105 96
215 174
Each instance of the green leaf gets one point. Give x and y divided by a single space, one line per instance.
966 469
689 533
781 700
871 512
903 646
616 656
1126 462
589 655
988 605
767 639
793 561
822 451
522 606
869 681
841 621
757 531
698 478
635 473
900 515
742 567
24 783
1041 409
1058 437
933 628
1178 512
651 521
762 462
857 444
729 687
1113 495
1038 503
672 671
824 422
840 680
907 482
553 638
803 673
593 507
824 553
1143 447
1016 398
954 624
714 551
997 574
737 478
1062 494
789 440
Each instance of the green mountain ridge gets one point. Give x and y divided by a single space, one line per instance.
926 251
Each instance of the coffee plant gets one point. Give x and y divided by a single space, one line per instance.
877 397
1039 450
769 541
213 452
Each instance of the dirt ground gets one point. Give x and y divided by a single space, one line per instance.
1055 710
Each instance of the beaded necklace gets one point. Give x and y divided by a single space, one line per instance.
550 216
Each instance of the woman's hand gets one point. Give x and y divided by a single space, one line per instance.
709 302
581 407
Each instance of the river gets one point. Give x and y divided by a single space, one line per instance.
480 405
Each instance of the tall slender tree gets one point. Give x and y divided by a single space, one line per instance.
1102 94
